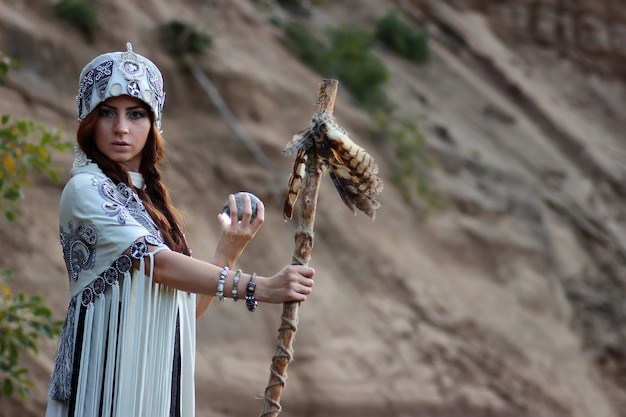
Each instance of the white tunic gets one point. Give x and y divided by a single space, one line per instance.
117 349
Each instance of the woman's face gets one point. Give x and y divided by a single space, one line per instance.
122 130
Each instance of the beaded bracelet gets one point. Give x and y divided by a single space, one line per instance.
251 302
220 284
235 283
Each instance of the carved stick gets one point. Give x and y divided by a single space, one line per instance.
327 91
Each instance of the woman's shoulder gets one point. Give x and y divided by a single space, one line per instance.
83 184
81 176
85 193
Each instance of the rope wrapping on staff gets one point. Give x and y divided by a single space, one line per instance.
277 380
289 318
320 147
304 239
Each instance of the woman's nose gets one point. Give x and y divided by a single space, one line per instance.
121 125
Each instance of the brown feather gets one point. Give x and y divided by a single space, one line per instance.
352 170
295 183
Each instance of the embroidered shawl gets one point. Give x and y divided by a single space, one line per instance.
127 343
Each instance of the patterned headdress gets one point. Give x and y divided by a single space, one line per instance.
120 73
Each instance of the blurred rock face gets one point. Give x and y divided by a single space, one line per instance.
591 33
509 302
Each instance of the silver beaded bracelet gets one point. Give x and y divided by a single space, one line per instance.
235 283
220 284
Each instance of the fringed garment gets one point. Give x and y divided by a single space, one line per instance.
128 344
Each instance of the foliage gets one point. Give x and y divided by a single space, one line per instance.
5 63
184 38
351 61
82 14
412 162
298 7
401 38
347 57
24 147
22 321
306 47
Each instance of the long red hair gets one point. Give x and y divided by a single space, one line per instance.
154 196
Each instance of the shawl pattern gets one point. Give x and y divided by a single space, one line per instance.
116 351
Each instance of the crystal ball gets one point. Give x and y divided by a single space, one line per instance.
239 200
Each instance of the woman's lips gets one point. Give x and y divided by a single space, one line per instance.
120 146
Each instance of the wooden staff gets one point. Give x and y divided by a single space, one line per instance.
321 146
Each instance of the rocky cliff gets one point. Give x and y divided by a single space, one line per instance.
507 302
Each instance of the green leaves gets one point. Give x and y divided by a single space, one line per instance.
25 146
22 321
351 60
181 38
400 37
412 162
346 55
82 14
5 63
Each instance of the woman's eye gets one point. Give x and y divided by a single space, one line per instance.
137 114
107 113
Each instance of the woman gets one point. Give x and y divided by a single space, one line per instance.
128 343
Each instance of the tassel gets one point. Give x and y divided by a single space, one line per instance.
111 356
96 359
82 392
61 381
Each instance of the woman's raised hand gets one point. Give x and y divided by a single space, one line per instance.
235 234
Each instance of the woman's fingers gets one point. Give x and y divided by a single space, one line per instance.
240 207
247 209
305 271
297 282
232 205
260 214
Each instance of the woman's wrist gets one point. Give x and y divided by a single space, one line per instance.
222 261
226 256
220 284
240 286
251 300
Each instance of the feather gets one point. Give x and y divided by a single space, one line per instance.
352 170
300 140
295 183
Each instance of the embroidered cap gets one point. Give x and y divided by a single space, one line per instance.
120 73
